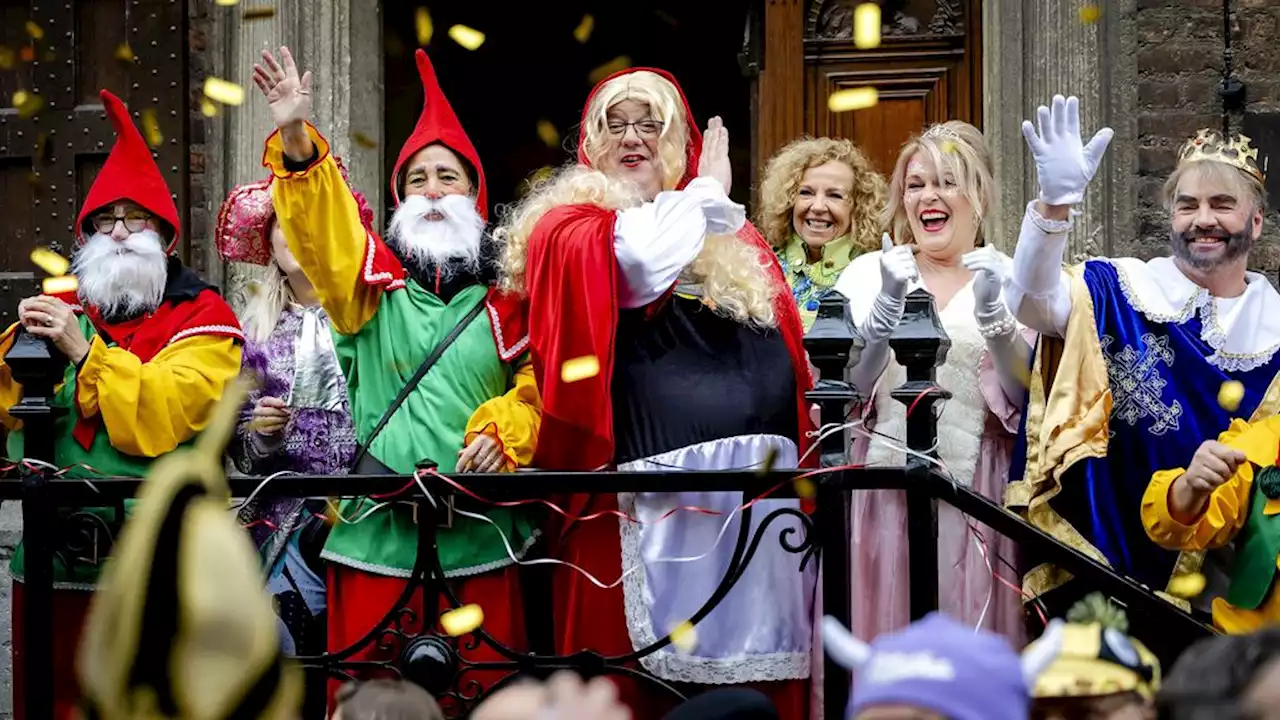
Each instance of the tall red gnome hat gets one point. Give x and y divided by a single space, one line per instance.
438 123
130 173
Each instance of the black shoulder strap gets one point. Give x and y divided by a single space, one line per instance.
417 377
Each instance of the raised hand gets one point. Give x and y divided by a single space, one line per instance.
897 268
1064 164
714 160
990 269
288 95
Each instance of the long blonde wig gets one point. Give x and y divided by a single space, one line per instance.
783 177
263 297
734 275
664 104
953 146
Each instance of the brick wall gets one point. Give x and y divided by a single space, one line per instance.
1179 70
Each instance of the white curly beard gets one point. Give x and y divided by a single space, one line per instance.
122 279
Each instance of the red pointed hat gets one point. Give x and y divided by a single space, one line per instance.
130 173
438 123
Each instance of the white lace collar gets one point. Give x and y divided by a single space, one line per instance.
1245 336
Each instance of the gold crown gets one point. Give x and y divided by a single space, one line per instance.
1235 151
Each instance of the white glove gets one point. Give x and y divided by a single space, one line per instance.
1064 164
897 270
991 271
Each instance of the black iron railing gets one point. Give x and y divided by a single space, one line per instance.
434 661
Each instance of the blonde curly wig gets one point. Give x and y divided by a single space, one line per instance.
781 185
734 275
664 104
953 146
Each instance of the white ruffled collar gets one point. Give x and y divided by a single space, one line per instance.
1244 337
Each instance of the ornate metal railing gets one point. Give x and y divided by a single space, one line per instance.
434 660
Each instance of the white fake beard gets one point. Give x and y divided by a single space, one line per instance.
449 244
123 279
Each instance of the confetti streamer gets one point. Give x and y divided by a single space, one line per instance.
622 62
59 285
261 12
1187 586
124 53
853 99
463 620
866 26
207 108
50 262
151 128
469 38
227 93
34 31
683 637
1230 394
549 134
1090 14
582 33
422 23
587 366
363 140
7 58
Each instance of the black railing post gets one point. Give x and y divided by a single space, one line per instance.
38 367
920 345
833 343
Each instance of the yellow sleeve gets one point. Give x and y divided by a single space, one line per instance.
321 223
513 418
1228 506
10 391
150 408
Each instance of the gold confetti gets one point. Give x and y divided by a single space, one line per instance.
27 103
422 23
622 62
866 26
1230 395
34 31
804 487
49 261
469 38
770 457
151 127
124 53
7 58
549 134
683 637
207 107
1187 586
947 146
59 285
261 12
579 368
853 99
1090 14
364 140
227 93
463 620
582 33
228 3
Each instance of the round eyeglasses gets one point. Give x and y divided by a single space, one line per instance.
647 129
134 221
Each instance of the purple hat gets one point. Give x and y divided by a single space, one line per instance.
939 665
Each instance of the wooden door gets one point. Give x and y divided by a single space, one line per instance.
63 54
928 69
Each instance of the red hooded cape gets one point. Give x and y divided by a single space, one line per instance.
571 281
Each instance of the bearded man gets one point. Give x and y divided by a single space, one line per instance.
150 348
1128 378
642 275
392 304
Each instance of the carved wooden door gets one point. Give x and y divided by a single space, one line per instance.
927 69
52 147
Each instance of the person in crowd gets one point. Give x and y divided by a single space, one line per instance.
1226 496
655 311
1232 676
564 696
941 190
938 669
181 626
149 348
418 301
821 202
1134 353
1100 673
386 700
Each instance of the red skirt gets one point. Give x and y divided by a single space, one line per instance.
359 600
588 617
70 608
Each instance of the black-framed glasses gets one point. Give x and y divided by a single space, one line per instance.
647 129
134 221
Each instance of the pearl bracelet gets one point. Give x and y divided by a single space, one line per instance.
1003 326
